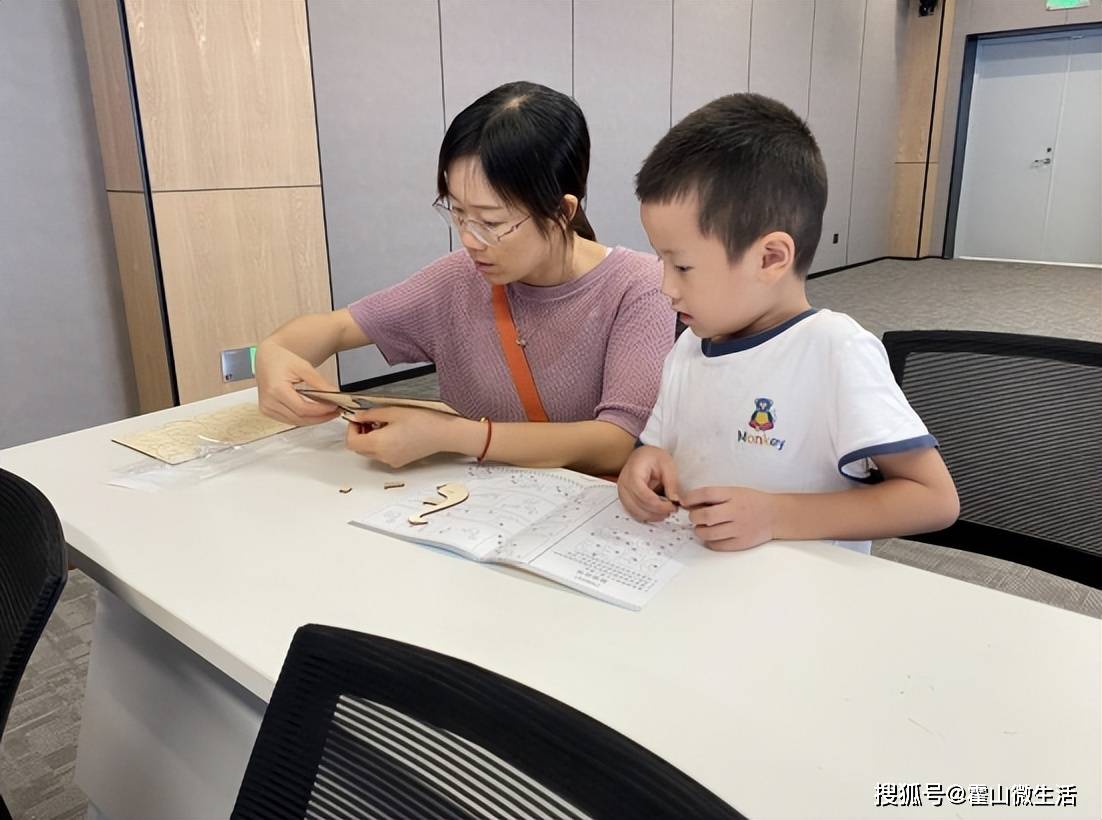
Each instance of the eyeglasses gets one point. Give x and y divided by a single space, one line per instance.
479 230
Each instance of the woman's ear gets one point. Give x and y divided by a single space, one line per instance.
778 254
569 207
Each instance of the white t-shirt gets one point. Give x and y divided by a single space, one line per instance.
801 408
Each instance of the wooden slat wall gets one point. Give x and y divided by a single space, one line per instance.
133 247
226 100
225 93
122 171
927 243
103 43
906 208
237 264
922 82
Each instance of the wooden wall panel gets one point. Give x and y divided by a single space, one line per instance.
225 93
141 299
929 242
943 78
916 86
906 208
237 264
108 72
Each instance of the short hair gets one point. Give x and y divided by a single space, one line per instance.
754 167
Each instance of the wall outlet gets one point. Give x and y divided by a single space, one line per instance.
238 364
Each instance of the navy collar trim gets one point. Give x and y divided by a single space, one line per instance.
734 345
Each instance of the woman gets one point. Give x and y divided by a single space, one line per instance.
531 297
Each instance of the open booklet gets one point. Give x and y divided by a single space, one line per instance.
364 401
564 526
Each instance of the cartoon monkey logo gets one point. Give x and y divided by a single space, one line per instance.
762 417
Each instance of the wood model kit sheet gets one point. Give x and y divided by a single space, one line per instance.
180 441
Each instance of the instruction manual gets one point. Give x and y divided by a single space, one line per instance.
564 526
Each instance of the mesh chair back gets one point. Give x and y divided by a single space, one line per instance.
1019 420
365 727
33 570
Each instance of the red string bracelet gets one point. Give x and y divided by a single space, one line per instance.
489 435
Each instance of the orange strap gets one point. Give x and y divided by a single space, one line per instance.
513 348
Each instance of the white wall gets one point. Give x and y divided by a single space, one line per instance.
389 74
875 142
64 356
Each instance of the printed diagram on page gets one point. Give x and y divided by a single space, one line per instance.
562 525
503 502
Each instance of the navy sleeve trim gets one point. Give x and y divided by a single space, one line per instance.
916 443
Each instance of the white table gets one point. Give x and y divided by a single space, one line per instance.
790 679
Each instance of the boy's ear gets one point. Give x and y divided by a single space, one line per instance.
778 255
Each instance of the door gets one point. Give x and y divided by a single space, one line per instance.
1031 188
1073 229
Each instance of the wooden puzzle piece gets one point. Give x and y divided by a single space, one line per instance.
453 494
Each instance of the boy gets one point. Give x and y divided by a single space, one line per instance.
771 413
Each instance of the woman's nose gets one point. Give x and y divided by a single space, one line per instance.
469 240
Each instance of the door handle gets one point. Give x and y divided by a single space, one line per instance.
1037 163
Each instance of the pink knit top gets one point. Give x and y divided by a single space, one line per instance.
595 344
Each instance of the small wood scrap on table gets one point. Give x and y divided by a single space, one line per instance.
452 494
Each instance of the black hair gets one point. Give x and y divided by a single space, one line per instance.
754 167
533 144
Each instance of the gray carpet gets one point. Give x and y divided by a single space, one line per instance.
39 746
951 294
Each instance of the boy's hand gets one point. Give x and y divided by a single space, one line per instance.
397 435
730 518
647 470
278 370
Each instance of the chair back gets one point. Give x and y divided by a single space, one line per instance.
362 726
1019 421
33 571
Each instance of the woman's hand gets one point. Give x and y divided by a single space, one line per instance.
399 435
278 370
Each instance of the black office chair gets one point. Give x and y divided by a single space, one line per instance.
33 571
364 727
1019 420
